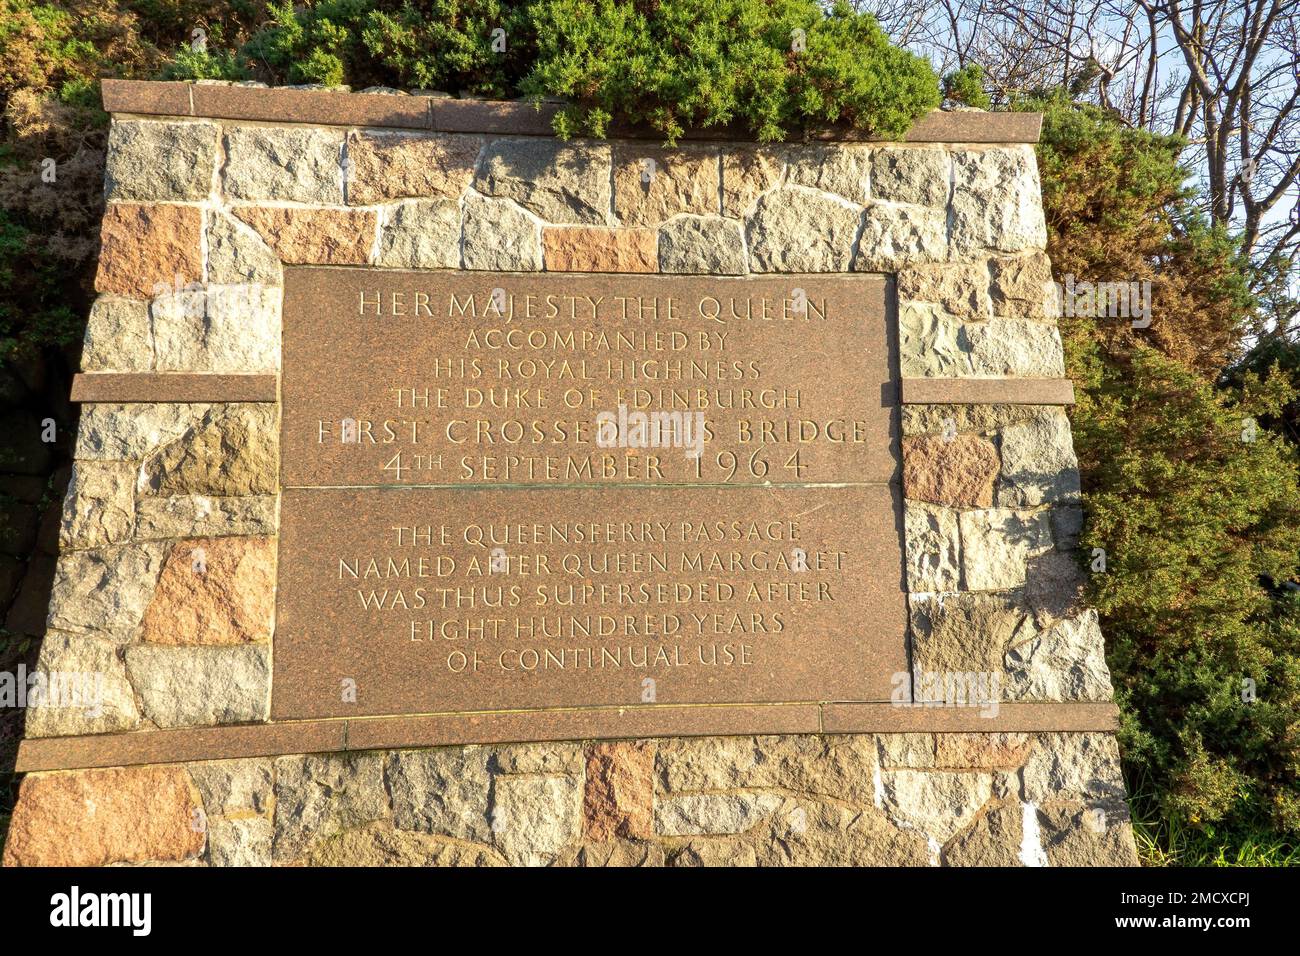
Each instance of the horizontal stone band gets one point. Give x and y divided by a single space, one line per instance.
376 733
987 391
166 387
447 114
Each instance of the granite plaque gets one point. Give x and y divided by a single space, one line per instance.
422 600
435 378
523 492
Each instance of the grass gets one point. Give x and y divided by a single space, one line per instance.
1166 842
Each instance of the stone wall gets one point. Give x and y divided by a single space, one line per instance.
891 800
201 216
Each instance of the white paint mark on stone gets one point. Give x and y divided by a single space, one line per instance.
1031 840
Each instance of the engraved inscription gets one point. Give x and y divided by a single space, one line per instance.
461 378
434 600
522 492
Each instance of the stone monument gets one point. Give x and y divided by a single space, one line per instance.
447 493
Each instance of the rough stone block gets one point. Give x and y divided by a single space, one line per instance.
652 183
318 797
836 766
997 544
144 248
1078 766
200 686
932 548
965 633
185 516
560 182
916 175
619 797
326 237
285 164
94 817
421 234
231 328
150 161
747 173
958 471
1010 347
1038 462
443 791
928 343
237 255
897 236
118 336
535 817
713 813
933 343
131 432
557 758
822 833
700 245
244 841
997 751
780 239
615 853
215 591
912 750
939 803
1022 286
842 169
93 696
105 591
238 800
1081 835
234 787
959 290
950 419
996 202
997 838
1066 661
99 508
232 451
499 236
1054 583
378 844
599 249
732 854
381 166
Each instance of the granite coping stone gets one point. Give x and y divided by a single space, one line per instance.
169 387
987 391
331 107
434 730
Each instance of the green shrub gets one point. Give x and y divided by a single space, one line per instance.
768 66
1118 209
448 46
965 87
1193 500
50 56
204 64
1194 505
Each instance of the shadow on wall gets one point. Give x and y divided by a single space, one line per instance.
34 473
